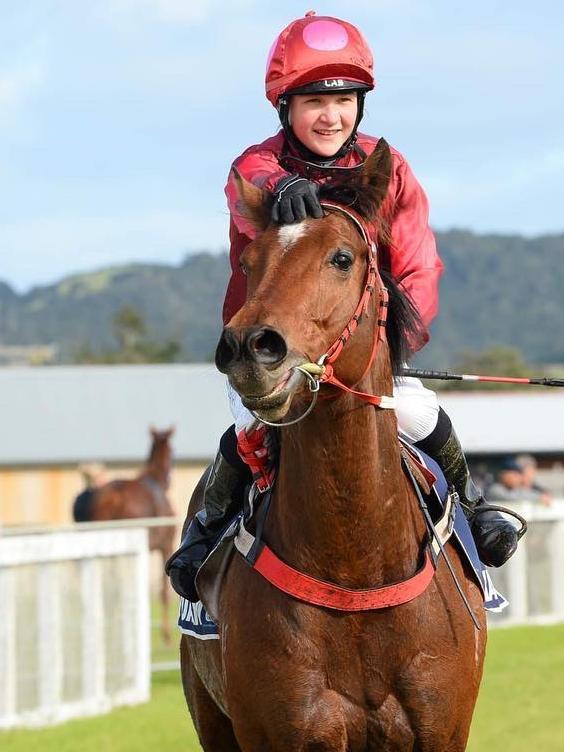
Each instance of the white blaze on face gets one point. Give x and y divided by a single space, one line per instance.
290 234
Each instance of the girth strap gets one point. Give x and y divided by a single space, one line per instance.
320 593
305 588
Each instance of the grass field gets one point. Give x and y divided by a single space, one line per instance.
520 708
521 703
161 653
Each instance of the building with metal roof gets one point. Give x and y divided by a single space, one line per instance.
54 418
69 414
508 422
72 414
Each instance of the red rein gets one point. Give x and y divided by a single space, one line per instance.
372 278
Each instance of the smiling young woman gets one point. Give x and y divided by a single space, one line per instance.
323 122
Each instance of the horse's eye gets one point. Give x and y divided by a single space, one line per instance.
342 260
243 268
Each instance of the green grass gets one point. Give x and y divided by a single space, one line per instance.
162 724
520 707
521 702
160 652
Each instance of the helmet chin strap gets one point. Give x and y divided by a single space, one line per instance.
310 156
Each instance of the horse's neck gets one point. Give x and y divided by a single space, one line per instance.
157 472
343 506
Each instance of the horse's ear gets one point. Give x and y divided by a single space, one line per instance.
375 176
252 202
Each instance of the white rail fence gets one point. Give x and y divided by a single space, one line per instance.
74 624
75 621
533 579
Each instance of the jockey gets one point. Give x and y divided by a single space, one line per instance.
318 73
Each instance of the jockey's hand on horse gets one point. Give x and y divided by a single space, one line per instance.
295 198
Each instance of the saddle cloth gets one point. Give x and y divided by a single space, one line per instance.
199 619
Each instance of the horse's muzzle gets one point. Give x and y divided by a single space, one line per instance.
256 345
260 367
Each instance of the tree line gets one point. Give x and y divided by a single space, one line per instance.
501 308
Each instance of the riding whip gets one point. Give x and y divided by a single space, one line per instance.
421 373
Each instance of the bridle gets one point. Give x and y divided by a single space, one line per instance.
322 371
305 587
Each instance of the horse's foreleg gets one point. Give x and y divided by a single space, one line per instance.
213 727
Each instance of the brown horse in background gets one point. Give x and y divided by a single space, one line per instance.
143 496
286 675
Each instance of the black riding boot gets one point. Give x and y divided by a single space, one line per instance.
495 537
223 497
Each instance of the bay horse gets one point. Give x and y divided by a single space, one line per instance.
143 496
286 675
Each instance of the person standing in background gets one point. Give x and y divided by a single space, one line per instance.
529 466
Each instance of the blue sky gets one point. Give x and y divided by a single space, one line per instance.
119 118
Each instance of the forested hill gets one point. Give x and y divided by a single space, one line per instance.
180 303
497 290
500 290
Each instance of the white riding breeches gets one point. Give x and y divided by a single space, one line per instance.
417 409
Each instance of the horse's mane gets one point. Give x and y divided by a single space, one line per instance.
361 198
404 330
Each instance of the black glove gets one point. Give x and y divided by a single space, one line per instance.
295 198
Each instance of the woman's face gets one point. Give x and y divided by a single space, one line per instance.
323 122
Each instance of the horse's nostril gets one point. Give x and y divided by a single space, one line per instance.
227 350
259 344
267 346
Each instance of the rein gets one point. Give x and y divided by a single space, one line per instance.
322 371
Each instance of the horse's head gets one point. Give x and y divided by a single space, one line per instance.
160 455
304 283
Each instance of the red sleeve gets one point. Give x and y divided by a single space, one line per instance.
260 167
414 259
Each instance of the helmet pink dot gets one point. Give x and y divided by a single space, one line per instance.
325 35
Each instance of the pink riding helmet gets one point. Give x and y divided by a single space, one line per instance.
318 49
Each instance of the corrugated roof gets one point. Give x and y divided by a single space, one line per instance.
498 422
75 414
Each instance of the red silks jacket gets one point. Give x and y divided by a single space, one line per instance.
411 257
